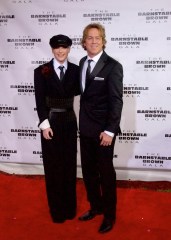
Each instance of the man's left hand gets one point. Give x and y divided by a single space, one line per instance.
106 140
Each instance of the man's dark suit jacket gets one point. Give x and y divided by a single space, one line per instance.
47 84
101 102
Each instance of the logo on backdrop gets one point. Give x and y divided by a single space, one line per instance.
40 62
132 90
168 136
154 114
155 15
21 1
76 41
154 64
154 160
102 16
73 1
131 136
24 42
168 39
26 133
48 18
38 153
5 19
168 90
129 41
5 154
23 89
6 110
6 64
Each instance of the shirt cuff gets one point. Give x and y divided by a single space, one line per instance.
109 133
44 125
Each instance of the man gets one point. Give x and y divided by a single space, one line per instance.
56 83
100 114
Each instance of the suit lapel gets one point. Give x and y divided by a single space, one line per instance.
99 65
81 69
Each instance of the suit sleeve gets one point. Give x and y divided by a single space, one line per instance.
115 94
40 95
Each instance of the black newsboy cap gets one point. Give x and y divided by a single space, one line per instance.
60 41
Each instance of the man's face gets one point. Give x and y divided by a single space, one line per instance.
61 53
93 42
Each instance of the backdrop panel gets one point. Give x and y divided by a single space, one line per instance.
138 35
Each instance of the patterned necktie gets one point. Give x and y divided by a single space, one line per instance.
61 72
88 72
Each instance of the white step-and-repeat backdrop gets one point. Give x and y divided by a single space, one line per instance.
138 35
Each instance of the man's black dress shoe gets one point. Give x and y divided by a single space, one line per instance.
70 216
58 220
90 214
106 226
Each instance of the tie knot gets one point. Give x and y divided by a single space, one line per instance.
61 72
61 68
89 61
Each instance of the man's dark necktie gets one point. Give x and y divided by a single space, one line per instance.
61 72
88 72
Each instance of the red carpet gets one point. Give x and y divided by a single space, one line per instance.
141 215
